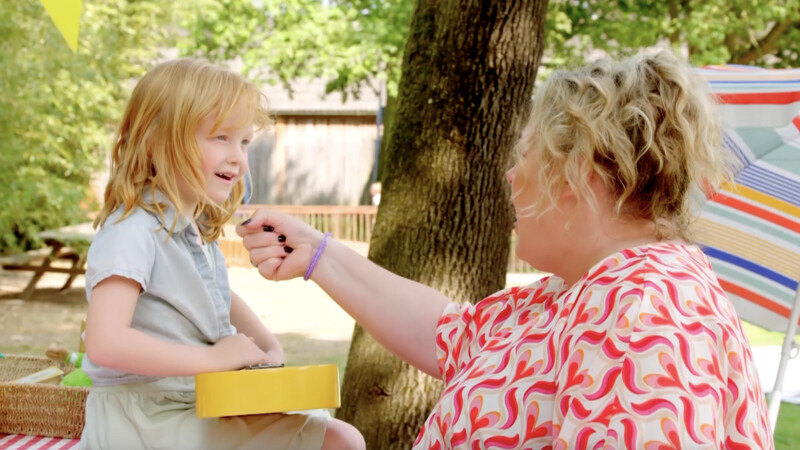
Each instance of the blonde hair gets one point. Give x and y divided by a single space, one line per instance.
647 126
156 144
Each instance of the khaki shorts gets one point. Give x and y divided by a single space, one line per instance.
161 415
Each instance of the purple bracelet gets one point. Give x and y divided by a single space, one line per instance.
317 255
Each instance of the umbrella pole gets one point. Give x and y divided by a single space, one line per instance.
786 350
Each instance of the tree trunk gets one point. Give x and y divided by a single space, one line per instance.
444 218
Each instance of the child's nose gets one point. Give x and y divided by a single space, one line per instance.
237 155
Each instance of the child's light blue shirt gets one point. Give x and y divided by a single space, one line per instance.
183 298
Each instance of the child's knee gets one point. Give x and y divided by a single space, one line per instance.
342 435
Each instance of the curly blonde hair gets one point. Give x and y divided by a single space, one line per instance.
647 126
155 143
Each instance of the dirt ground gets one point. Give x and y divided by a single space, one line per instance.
311 327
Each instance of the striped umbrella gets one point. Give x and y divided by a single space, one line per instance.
751 230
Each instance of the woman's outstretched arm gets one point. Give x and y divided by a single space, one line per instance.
399 313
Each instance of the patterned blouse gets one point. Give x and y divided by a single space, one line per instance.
644 352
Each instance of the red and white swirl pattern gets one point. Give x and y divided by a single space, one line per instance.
644 352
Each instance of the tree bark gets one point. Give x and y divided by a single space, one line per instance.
444 217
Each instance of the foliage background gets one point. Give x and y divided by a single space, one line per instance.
350 42
58 108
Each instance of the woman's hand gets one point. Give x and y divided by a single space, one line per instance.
238 351
281 246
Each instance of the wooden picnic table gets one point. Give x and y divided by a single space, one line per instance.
67 243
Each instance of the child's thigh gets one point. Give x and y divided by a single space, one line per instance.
279 431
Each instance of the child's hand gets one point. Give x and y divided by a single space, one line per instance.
275 357
238 351
280 245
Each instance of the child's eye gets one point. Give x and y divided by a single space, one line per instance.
222 137
246 142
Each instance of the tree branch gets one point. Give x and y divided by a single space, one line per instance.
730 43
673 16
765 45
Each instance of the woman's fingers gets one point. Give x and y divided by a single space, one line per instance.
279 245
256 223
263 239
269 268
261 254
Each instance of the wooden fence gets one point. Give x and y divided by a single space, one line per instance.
315 159
346 223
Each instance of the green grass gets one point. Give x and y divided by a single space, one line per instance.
787 430
759 337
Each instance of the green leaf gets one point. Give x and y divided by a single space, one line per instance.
58 108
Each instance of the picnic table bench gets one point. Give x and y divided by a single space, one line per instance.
67 243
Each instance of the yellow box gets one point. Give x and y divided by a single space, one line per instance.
262 391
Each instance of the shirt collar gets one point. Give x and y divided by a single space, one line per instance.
170 212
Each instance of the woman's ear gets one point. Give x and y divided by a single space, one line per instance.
569 199
598 187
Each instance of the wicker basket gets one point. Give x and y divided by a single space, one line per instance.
39 409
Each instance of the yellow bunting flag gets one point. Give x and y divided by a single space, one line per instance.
66 14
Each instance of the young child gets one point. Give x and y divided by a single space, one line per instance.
160 308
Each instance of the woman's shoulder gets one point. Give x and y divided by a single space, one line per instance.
681 262
664 258
539 289
674 271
